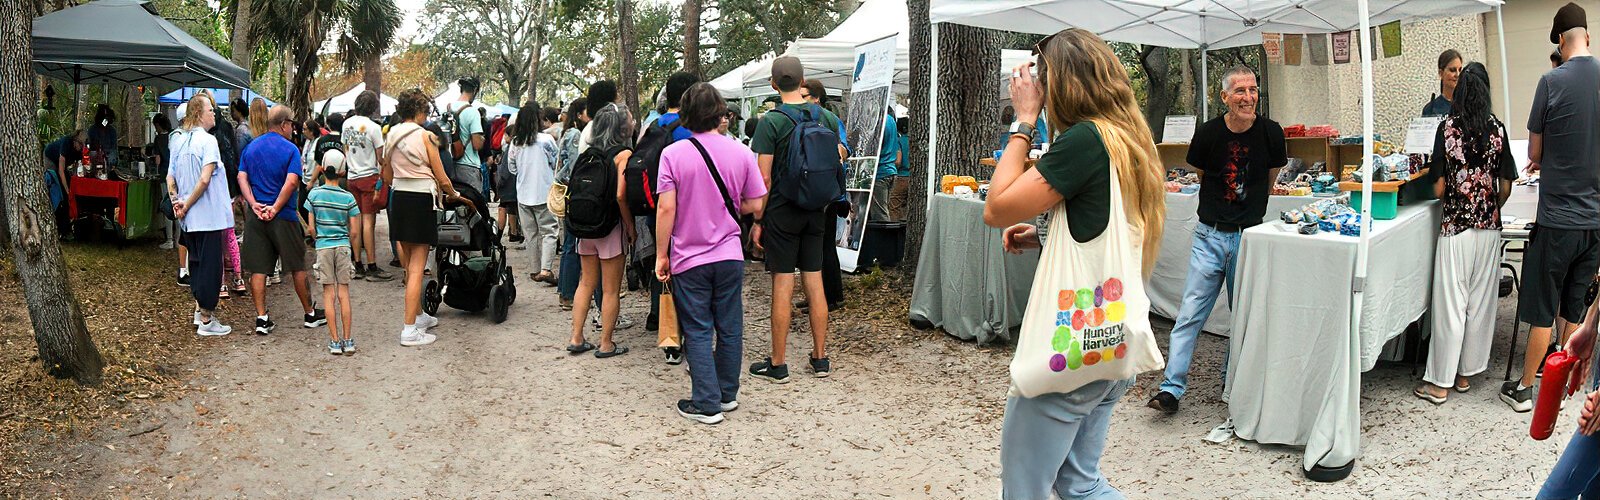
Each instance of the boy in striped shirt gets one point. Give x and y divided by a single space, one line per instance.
332 211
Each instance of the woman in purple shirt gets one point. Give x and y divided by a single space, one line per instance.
705 183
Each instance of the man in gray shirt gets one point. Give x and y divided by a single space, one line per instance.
1564 147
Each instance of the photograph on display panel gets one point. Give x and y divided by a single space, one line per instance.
859 173
863 125
854 226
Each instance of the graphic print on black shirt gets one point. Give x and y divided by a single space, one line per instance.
1233 172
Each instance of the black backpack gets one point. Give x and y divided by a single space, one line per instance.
229 153
450 138
592 211
640 174
812 176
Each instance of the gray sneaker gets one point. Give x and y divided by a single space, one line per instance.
377 274
1520 400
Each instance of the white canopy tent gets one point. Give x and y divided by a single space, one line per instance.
452 93
345 102
832 58
1213 24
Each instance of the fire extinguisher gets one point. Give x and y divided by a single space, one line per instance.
1559 382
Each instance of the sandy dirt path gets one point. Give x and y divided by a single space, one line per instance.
503 411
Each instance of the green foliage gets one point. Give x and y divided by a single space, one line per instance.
583 48
461 43
746 30
365 28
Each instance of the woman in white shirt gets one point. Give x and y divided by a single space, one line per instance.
198 187
531 156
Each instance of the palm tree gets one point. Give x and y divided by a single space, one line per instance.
365 28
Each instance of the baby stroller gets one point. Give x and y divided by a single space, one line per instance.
469 261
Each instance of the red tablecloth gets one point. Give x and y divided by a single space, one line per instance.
92 187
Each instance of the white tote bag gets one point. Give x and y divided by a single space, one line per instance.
1088 317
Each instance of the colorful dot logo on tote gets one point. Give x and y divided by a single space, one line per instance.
1089 326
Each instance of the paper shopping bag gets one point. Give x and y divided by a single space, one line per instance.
667 334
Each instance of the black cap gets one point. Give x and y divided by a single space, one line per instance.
1570 16
788 73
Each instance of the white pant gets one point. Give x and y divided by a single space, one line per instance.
1466 286
539 226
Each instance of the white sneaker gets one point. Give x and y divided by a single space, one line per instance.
197 321
167 245
419 338
213 329
426 321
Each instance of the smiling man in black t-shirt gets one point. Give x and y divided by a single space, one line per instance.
1238 155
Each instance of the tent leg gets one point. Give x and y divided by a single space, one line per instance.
1505 70
1205 89
933 113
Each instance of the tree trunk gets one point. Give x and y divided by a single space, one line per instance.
628 81
917 104
244 44
132 117
372 72
64 344
540 35
304 68
691 37
1157 65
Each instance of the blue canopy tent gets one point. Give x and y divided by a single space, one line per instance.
223 95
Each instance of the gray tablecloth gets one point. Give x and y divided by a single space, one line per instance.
966 284
1295 374
1171 272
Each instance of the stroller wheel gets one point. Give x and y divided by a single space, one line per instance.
431 297
511 287
499 303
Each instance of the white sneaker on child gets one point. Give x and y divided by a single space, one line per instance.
413 337
426 321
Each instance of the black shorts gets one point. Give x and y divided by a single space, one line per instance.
794 239
268 242
412 218
1556 272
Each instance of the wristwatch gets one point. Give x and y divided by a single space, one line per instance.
1025 129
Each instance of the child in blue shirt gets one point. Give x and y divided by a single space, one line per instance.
332 209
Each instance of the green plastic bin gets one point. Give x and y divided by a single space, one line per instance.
1385 206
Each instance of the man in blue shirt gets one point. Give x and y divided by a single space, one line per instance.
888 162
269 178
676 85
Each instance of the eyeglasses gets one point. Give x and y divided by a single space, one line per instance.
805 95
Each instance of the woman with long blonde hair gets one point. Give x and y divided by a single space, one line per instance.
1101 157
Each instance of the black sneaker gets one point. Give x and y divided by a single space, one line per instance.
1520 400
766 370
1165 402
316 318
686 409
264 326
361 271
516 238
395 263
183 280
820 368
674 355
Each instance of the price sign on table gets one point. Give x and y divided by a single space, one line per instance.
1419 135
1178 129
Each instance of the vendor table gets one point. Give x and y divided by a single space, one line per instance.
1171 272
136 201
1294 376
966 284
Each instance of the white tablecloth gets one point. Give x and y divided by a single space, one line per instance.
1171 272
1295 374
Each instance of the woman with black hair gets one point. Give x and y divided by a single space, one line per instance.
103 134
1476 169
531 159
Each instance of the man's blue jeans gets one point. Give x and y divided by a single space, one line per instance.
1211 264
1575 472
710 304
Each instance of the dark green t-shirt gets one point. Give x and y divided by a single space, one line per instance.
772 138
1079 168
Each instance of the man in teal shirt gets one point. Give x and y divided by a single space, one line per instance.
888 167
469 129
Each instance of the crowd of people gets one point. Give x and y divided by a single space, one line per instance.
592 192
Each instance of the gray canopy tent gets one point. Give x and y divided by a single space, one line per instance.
126 42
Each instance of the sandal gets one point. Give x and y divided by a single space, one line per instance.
1464 388
1421 393
580 348
615 351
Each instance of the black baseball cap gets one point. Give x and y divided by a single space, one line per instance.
1570 16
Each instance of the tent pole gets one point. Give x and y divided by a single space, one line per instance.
1505 70
1362 248
1205 74
933 112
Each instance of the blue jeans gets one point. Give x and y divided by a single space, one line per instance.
1211 263
571 270
1054 442
710 304
1575 472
